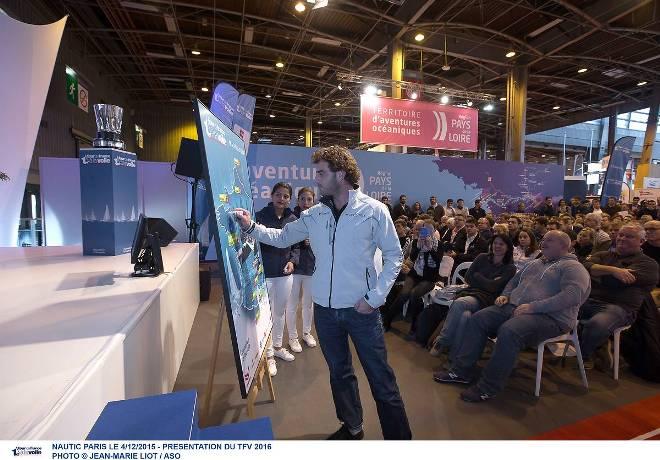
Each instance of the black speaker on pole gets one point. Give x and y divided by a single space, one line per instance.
189 164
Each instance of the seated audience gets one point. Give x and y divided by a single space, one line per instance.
449 209
651 246
546 209
485 278
540 227
602 240
525 249
538 303
566 226
553 224
455 241
563 208
460 208
416 210
485 229
515 224
386 201
595 206
620 281
477 212
426 255
401 208
584 245
649 208
474 244
612 208
500 229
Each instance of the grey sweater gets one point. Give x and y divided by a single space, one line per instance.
556 288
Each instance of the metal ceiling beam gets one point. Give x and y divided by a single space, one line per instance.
578 12
643 69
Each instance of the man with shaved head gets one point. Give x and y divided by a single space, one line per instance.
621 279
540 302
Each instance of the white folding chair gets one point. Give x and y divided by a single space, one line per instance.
617 348
572 337
458 277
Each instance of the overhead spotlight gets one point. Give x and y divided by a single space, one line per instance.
337 104
488 107
205 89
502 99
419 37
254 132
543 156
348 138
444 99
339 87
510 54
642 83
582 70
271 115
446 67
196 53
268 96
292 142
469 103
300 7
319 122
279 64
370 90
556 107
380 92
413 95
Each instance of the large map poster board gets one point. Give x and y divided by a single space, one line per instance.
244 285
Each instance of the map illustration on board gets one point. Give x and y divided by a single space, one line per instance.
239 256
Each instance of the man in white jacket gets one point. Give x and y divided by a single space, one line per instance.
344 230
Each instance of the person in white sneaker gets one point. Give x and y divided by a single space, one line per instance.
302 282
278 267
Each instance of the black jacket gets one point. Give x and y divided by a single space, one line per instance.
545 210
275 258
458 245
432 261
486 280
400 210
477 213
476 247
303 257
640 346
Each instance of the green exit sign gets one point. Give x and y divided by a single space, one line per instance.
71 85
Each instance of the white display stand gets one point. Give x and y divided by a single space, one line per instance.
77 332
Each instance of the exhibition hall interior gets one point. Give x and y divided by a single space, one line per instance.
329 220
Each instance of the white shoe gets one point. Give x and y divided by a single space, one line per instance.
272 367
309 340
284 354
295 346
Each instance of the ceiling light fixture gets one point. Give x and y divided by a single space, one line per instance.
348 138
510 54
271 115
582 70
279 64
319 122
300 7
642 83
325 41
413 95
268 96
502 99
339 87
469 103
488 107
337 104
556 107
205 89
419 37
444 99
380 92
196 53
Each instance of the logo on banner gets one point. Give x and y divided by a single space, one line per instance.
214 131
96 159
20 451
441 128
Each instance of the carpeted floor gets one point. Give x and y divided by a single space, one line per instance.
304 408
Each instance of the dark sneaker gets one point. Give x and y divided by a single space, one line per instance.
474 394
588 364
603 358
449 377
344 434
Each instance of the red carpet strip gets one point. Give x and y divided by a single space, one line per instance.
640 421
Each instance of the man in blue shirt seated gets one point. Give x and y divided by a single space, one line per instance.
540 302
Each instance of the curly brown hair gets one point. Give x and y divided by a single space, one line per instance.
339 159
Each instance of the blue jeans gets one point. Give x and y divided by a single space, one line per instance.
513 335
460 310
333 327
598 321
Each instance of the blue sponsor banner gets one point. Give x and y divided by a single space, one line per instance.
616 169
223 104
227 185
500 185
242 123
109 200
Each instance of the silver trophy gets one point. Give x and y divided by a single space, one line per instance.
108 124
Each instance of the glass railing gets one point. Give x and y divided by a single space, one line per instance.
30 232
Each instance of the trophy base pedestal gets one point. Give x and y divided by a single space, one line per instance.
107 143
